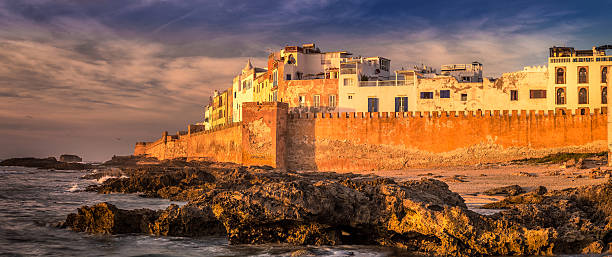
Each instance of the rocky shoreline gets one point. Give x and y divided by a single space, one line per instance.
256 205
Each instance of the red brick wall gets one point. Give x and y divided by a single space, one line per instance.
361 142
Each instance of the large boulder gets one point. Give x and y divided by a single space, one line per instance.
105 218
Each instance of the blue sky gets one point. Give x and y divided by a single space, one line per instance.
93 77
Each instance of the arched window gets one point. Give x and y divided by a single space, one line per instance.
560 76
604 95
583 75
291 59
583 96
604 75
560 96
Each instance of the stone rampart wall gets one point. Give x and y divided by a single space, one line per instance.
392 141
269 135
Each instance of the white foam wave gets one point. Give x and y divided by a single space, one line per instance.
74 188
104 178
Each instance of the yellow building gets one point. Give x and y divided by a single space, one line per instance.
577 78
220 113
262 91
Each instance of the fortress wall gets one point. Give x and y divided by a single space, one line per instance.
221 145
364 141
258 140
269 135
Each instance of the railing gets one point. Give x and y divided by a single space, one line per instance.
386 83
579 59
348 71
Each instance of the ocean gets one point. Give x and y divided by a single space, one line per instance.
33 201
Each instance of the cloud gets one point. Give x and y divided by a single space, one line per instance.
76 75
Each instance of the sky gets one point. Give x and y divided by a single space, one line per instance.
93 77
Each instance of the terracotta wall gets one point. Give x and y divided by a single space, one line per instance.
364 141
252 142
269 135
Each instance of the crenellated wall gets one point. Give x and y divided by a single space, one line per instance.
251 142
269 135
391 141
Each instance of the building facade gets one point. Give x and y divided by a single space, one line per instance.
311 81
577 78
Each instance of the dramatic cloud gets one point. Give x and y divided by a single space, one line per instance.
93 77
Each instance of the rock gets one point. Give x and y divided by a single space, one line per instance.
593 248
524 174
70 158
105 218
570 163
580 164
45 163
540 190
507 191
260 206
457 178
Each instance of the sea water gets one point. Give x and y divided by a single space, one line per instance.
33 201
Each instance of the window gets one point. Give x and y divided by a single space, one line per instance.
604 95
274 78
426 95
234 94
583 75
464 97
583 96
560 76
302 101
513 95
537 94
332 101
401 104
316 101
384 64
290 59
444 93
560 99
350 97
372 104
604 75
288 77
348 82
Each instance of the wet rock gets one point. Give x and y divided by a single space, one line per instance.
507 191
105 218
45 163
70 158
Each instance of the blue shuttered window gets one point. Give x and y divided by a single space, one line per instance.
372 104
401 104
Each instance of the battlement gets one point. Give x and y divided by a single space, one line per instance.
440 114
535 68
347 141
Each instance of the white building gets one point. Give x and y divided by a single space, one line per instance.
242 89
